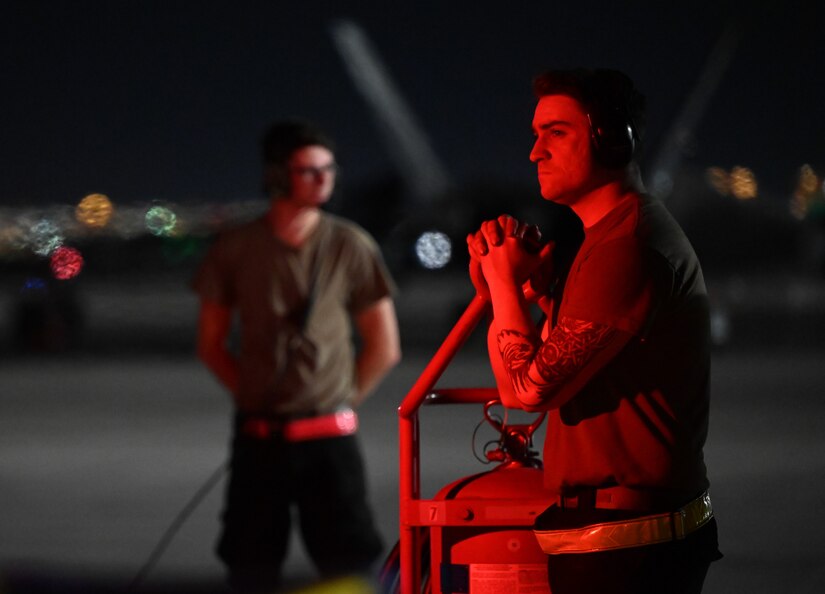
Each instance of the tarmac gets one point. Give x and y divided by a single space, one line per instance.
99 455
103 447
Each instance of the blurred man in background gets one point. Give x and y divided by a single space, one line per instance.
298 278
621 362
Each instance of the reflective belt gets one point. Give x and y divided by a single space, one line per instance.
623 534
336 424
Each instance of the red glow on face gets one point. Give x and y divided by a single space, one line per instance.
312 173
66 263
562 151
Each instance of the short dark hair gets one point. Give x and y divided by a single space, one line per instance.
278 144
600 91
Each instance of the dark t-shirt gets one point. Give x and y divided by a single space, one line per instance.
641 422
268 283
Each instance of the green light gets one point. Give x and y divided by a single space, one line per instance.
160 221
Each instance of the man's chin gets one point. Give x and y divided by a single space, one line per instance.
314 201
560 199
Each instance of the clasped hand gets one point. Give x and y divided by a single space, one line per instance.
505 251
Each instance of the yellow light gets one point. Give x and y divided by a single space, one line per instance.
95 210
743 183
808 180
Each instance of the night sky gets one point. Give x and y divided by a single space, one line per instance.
167 100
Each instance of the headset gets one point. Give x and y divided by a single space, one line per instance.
608 97
613 135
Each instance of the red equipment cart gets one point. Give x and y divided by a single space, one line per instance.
475 535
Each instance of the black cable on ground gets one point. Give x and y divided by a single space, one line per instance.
182 516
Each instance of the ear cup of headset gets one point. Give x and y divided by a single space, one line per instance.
276 179
614 138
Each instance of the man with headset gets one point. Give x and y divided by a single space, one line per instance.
301 280
621 362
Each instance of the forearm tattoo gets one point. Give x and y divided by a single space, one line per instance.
537 370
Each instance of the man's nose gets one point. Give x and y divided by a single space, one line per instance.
539 151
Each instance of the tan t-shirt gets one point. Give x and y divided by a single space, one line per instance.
268 283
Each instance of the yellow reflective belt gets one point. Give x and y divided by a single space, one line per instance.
637 532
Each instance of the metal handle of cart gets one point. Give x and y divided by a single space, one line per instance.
408 432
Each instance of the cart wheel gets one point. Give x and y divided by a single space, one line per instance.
389 579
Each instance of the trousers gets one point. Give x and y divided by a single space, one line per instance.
324 480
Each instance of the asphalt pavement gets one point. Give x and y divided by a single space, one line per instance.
100 454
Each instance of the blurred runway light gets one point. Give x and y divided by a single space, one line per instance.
740 182
66 263
808 200
743 183
160 221
12 239
94 210
718 179
44 237
433 250
808 180
33 284
809 194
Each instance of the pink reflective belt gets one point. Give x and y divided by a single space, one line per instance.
653 529
337 424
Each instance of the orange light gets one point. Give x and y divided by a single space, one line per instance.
95 210
743 183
